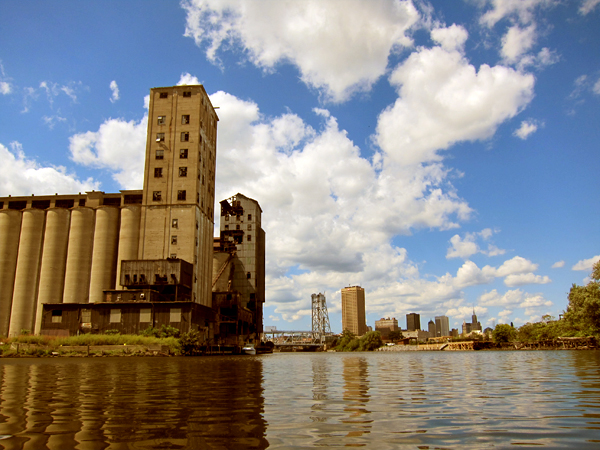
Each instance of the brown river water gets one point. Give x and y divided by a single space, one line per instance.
380 400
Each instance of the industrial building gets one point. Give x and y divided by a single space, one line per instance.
386 325
353 310
94 261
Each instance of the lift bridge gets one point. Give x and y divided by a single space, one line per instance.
306 340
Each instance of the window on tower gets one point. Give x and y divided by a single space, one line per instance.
161 120
160 154
185 136
164 95
181 195
156 196
183 171
175 223
249 237
160 137
185 119
187 94
158 172
174 240
183 153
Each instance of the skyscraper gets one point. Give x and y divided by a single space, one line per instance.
442 326
413 322
353 310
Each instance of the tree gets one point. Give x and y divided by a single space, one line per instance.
370 341
583 311
395 336
503 333
345 339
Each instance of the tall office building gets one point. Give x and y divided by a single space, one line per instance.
413 322
353 310
431 329
442 326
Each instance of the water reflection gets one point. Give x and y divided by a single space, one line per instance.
296 401
125 403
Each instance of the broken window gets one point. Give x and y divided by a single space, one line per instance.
187 94
56 316
249 237
183 153
156 196
185 136
161 120
183 171
160 137
248 275
185 119
227 227
249 227
174 240
237 227
249 216
174 223
164 95
158 172
181 195
227 218
160 154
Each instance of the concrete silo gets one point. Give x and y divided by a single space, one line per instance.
54 260
104 256
10 229
79 256
129 237
27 272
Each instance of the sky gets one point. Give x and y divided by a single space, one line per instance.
442 155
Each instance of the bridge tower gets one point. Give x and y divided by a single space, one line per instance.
320 318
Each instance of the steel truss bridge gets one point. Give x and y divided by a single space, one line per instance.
289 340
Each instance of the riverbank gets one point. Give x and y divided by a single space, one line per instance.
562 343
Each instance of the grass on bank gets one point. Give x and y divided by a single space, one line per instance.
48 344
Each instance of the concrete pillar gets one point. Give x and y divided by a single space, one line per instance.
79 256
27 272
104 256
54 260
10 230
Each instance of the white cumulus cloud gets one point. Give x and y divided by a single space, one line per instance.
558 264
20 175
468 246
118 145
338 47
588 6
443 100
586 264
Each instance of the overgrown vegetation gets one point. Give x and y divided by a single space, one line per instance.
48 344
348 342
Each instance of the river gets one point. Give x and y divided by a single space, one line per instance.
379 400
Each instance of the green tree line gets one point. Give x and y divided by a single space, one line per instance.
582 317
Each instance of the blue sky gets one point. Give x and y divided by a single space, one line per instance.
443 155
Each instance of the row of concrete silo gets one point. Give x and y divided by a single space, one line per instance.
60 255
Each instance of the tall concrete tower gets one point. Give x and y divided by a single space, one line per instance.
353 310
177 217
